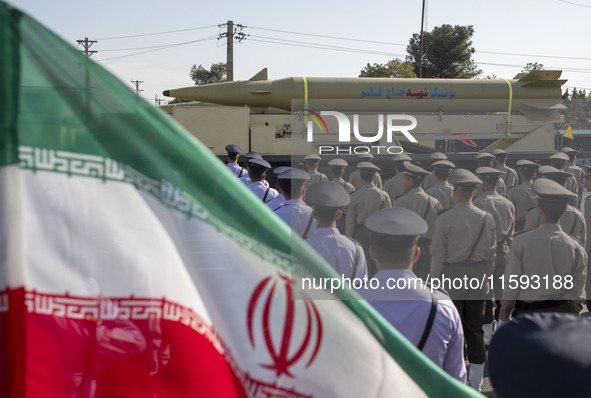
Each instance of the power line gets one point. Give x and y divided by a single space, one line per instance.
575 4
322 46
162 48
159 33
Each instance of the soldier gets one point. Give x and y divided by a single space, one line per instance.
576 171
587 208
344 254
430 180
485 159
354 178
442 190
233 151
312 164
509 176
559 160
243 176
503 213
337 169
295 212
427 207
365 201
464 246
522 195
258 173
394 186
572 222
280 200
428 320
545 254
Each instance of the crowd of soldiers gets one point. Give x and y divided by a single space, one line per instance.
520 232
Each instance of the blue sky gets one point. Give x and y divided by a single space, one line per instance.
508 35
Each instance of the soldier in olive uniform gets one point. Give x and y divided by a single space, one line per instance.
312 164
442 190
559 161
337 169
545 254
522 195
576 171
394 186
485 159
355 179
464 245
431 180
509 176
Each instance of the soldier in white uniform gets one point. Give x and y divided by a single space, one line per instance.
426 206
344 254
366 200
503 213
258 172
312 163
509 176
337 169
394 186
428 320
295 212
442 190
546 252
355 179
279 200
431 180
464 246
243 176
576 171
559 161
522 196
572 221
233 152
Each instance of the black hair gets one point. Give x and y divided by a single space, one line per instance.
394 250
367 175
326 215
552 210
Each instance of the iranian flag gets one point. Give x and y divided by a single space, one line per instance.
132 264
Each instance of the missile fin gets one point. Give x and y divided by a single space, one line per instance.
539 75
261 75
546 83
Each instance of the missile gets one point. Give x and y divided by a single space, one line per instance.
537 92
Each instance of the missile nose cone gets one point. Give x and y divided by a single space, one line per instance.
166 92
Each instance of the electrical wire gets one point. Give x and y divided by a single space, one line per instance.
161 48
158 33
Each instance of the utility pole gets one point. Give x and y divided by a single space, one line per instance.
232 32
157 101
137 85
87 44
421 50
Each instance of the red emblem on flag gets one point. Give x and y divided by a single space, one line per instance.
283 357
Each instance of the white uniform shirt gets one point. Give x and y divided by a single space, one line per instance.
235 168
344 255
260 190
297 214
246 179
276 203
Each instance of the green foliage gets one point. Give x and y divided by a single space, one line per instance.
578 112
215 74
447 52
532 66
395 68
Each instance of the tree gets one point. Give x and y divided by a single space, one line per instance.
578 110
531 67
394 68
215 74
447 52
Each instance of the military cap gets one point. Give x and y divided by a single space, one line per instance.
484 155
327 194
253 155
559 156
464 180
541 355
367 166
444 164
527 164
438 156
280 169
338 162
396 222
412 169
551 191
260 163
569 150
233 148
312 156
400 157
499 152
365 155
488 172
549 171
294 174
